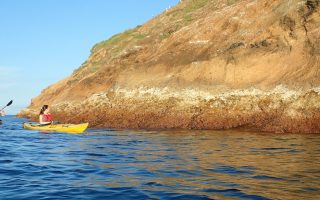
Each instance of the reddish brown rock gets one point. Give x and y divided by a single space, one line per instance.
204 64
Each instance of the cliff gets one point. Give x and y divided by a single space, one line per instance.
203 64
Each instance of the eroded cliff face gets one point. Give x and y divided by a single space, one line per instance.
204 64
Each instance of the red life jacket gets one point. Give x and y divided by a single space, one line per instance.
47 118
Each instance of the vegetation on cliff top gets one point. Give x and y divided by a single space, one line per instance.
175 18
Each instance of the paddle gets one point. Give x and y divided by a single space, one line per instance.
8 104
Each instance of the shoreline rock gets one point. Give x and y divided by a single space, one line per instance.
279 110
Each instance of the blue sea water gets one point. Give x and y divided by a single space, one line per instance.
126 164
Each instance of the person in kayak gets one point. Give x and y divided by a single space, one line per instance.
45 117
1 114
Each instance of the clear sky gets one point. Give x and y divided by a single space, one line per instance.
43 41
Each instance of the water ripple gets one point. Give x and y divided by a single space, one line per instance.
115 164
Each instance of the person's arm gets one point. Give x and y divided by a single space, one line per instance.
43 122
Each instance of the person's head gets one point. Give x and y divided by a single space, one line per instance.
44 110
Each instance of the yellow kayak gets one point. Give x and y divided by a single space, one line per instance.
65 128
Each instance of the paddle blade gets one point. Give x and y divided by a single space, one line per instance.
9 103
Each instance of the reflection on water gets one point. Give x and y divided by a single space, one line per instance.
158 164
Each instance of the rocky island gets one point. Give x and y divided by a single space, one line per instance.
203 64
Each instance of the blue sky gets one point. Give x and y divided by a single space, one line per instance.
43 41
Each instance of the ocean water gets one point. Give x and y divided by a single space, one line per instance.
126 164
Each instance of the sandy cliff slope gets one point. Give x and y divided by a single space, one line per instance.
203 64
